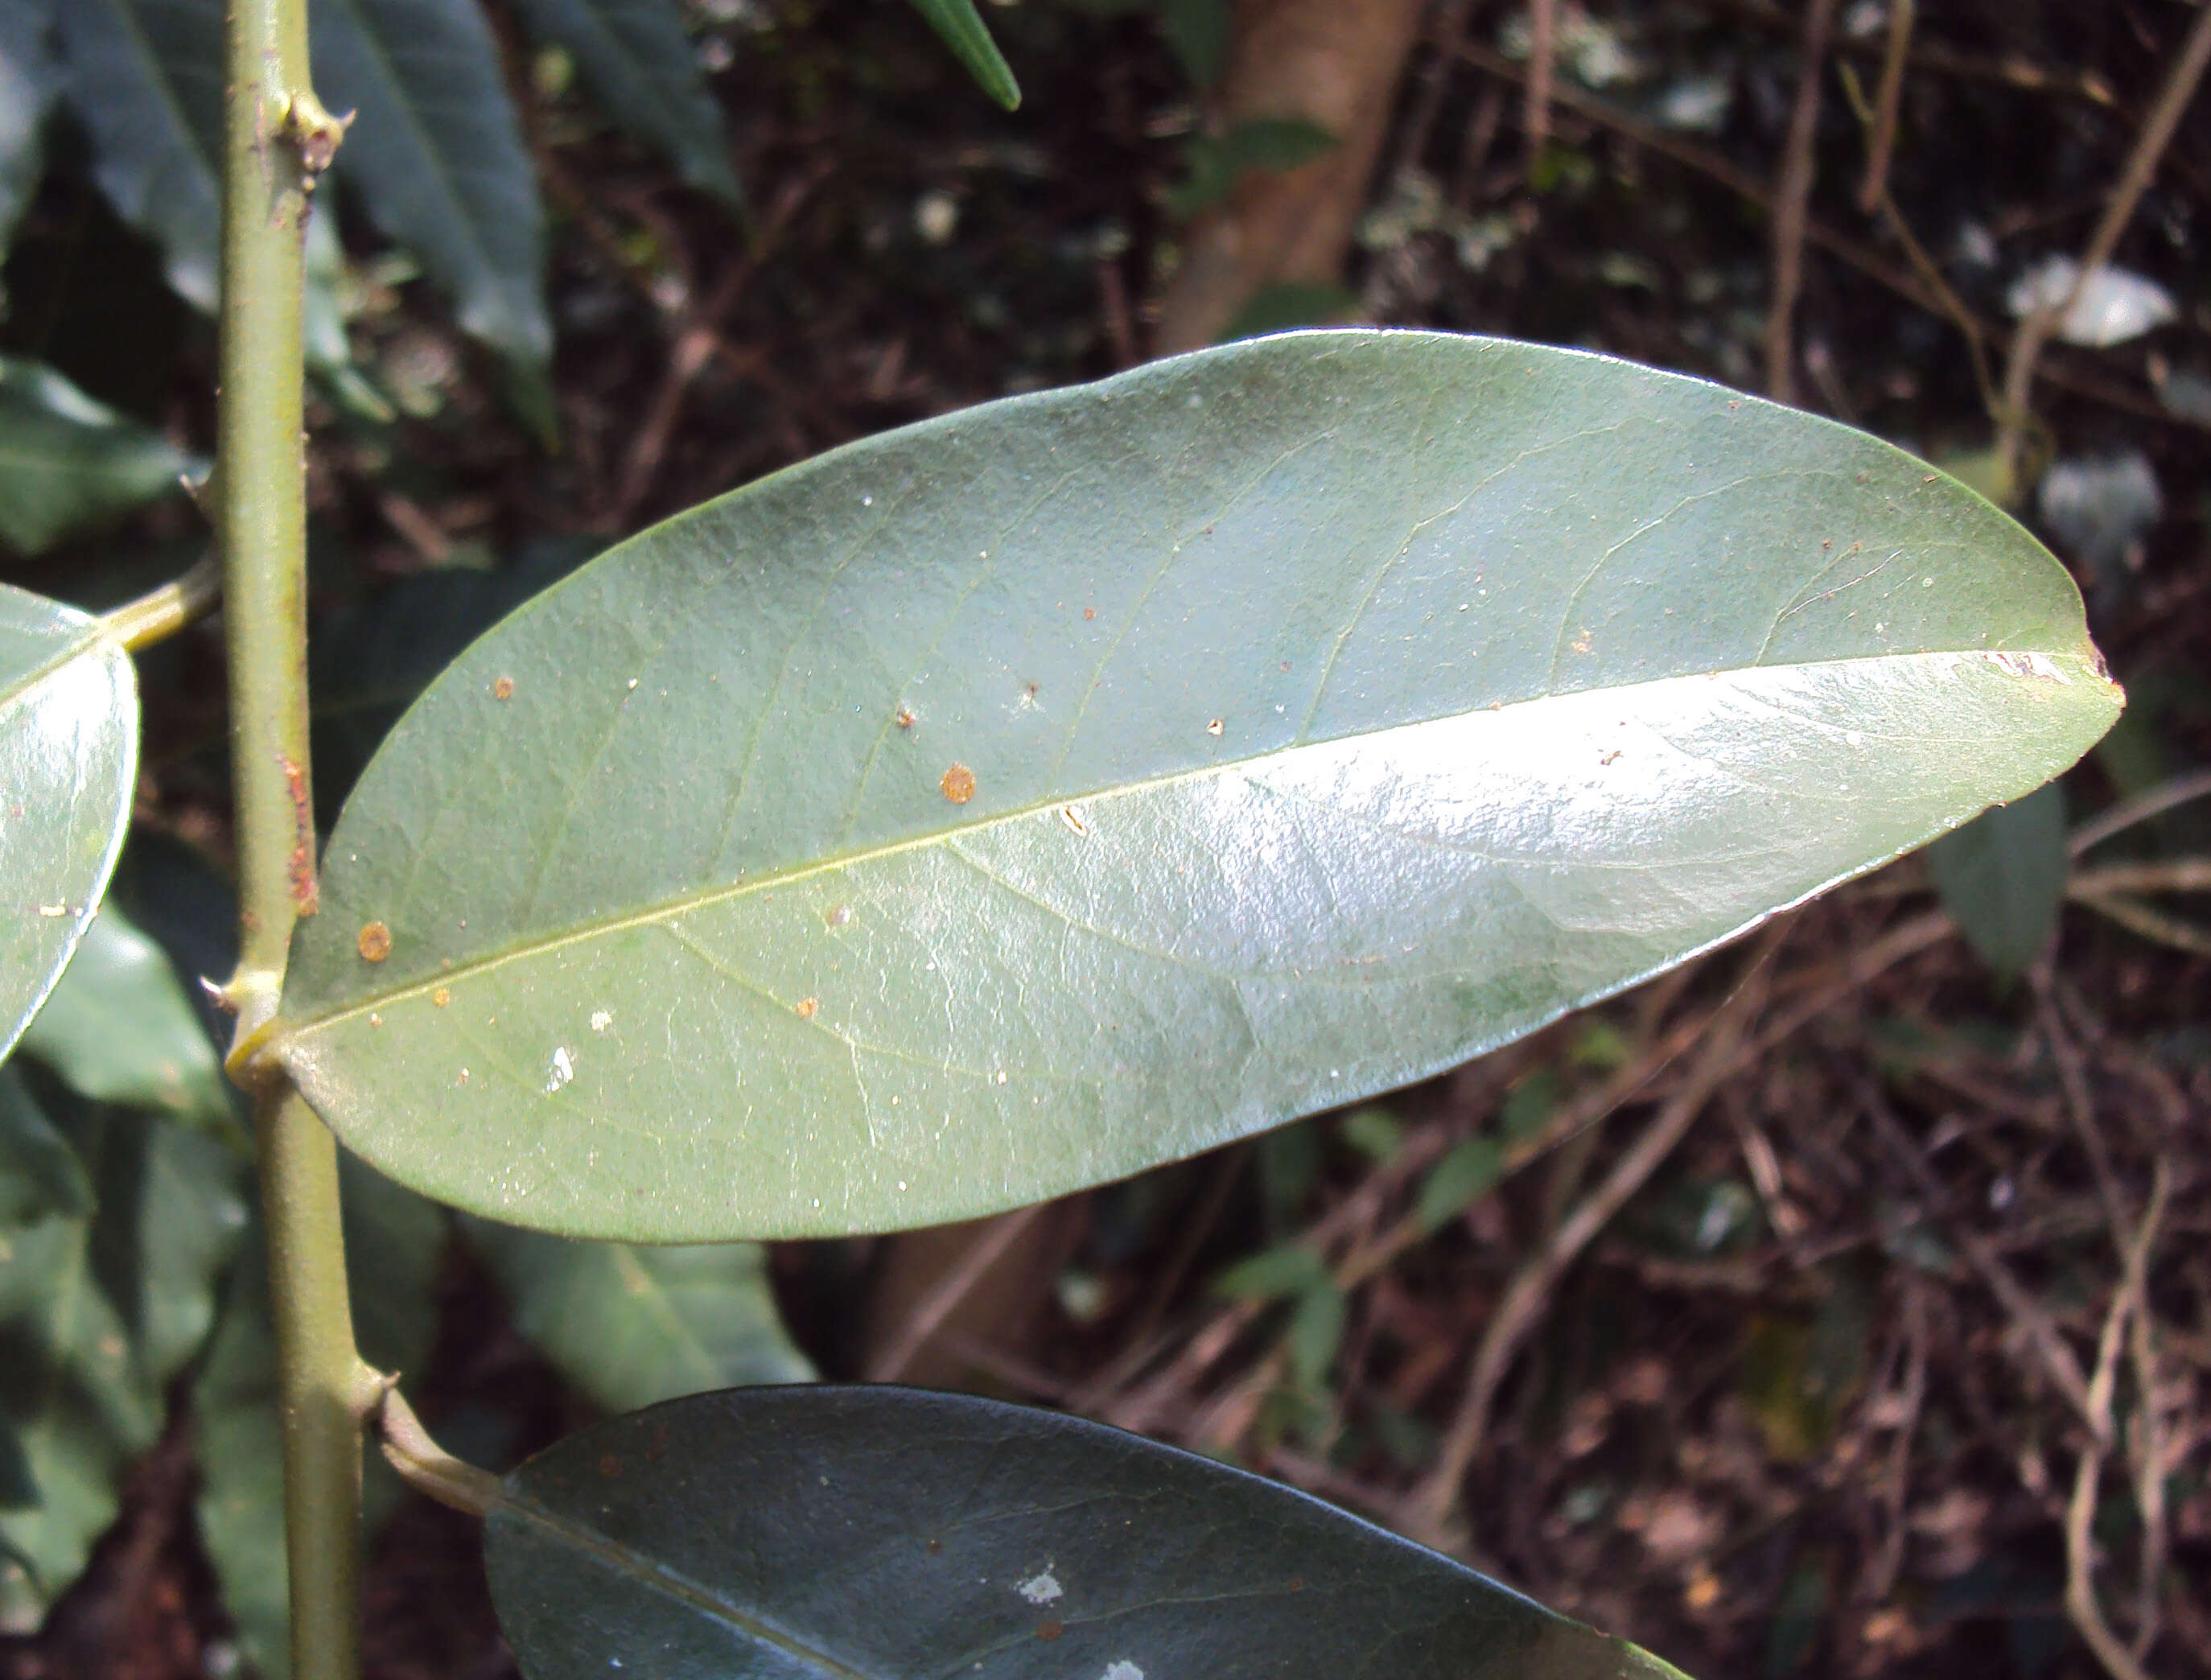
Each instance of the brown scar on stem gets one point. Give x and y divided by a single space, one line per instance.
307 894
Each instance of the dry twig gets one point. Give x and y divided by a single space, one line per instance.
2035 332
1428 1512
1888 104
1792 200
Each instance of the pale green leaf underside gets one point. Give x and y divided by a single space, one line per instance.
1338 705
68 757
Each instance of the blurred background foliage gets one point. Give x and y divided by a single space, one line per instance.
1845 1314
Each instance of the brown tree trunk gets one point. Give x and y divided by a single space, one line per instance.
1334 64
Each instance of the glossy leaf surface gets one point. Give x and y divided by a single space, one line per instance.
891 1531
69 759
1018 800
118 1028
436 156
640 65
631 1325
68 462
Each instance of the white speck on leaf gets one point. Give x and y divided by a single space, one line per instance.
1040 1588
562 1071
600 1020
1122 1669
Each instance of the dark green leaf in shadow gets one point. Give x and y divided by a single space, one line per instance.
29 78
2003 878
144 78
639 64
77 1394
119 1029
1198 35
40 1177
962 29
394 1242
630 1326
1270 144
68 761
1012 802
68 464
889 1532
437 158
237 1439
1456 1182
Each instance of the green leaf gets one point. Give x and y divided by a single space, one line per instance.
639 61
1272 142
962 29
40 1176
437 158
236 1437
1197 33
81 1411
1273 1274
145 79
171 1214
1456 1182
1316 1333
2003 878
81 1369
630 1326
68 760
1024 797
394 1240
29 78
118 1028
68 462
885 1531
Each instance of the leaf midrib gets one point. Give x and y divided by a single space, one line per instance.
658 1577
296 1030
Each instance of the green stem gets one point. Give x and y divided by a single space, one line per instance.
276 139
323 1386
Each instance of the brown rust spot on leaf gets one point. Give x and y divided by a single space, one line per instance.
806 1008
1090 612
373 942
959 784
609 1466
441 997
1049 1629
503 689
906 717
